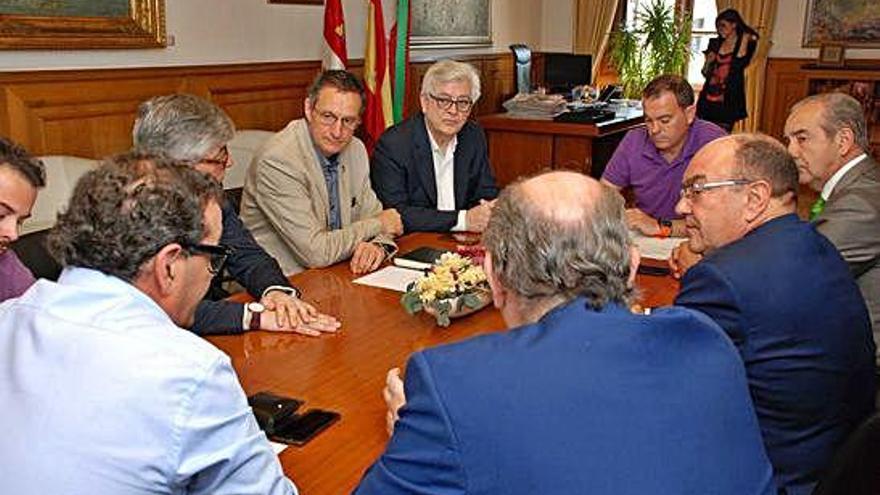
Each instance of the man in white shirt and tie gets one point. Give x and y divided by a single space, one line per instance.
827 135
434 166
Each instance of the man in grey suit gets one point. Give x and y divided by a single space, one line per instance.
307 197
828 138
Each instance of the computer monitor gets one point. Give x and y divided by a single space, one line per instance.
563 71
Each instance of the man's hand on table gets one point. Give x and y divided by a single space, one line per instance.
642 222
394 397
367 257
682 259
285 313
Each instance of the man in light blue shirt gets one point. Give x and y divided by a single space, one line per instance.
102 392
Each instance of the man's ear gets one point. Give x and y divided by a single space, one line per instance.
498 292
165 267
757 199
690 113
307 105
634 259
845 140
424 101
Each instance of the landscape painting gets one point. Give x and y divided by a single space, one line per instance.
854 23
79 24
445 23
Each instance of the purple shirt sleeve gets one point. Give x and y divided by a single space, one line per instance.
618 170
15 278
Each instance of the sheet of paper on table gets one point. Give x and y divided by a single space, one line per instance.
656 248
277 447
390 277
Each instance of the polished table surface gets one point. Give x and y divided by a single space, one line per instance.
345 372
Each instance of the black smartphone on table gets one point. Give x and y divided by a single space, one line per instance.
300 428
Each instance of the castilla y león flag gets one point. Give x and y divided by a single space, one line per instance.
335 55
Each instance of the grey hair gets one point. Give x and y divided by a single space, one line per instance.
759 156
446 71
541 258
182 127
839 111
124 212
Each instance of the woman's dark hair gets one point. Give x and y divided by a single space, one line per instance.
731 15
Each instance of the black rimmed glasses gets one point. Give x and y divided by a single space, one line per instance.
216 255
445 103
329 119
691 190
221 158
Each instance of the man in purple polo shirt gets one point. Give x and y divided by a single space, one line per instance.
20 177
652 160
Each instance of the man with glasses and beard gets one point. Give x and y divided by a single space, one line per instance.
103 391
307 197
190 129
434 166
786 299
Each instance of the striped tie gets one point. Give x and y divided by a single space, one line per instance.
817 208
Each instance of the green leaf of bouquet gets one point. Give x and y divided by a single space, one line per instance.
471 300
411 302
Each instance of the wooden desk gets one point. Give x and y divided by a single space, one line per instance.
522 146
346 372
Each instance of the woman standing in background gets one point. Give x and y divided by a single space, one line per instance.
723 98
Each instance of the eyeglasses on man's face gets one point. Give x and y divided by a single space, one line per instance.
445 103
221 158
329 119
693 189
216 254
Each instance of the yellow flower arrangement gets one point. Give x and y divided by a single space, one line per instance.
452 286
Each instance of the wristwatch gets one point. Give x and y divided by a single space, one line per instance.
256 310
665 227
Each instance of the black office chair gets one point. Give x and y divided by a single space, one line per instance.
855 469
31 250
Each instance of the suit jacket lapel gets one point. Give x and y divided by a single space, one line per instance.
460 174
321 200
424 158
345 196
852 176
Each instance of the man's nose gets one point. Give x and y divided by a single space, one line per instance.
9 228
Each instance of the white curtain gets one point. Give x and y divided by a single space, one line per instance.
593 23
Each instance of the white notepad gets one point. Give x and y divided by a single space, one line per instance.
391 277
656 248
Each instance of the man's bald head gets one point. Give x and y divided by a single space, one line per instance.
558 236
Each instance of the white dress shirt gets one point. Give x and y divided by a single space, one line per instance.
103 394
444 175
828 188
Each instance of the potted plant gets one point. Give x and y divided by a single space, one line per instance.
658 43
453 287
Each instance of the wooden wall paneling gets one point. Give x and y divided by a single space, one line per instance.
497 84
526 152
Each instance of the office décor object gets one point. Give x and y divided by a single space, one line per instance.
454 287
449 23
522 67
831 55
82 24
852 22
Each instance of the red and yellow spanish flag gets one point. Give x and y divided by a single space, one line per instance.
335 56
386 54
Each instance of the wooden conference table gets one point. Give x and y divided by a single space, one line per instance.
345 372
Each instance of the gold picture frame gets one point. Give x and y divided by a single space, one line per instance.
831 55
80 25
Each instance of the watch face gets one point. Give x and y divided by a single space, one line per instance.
255 307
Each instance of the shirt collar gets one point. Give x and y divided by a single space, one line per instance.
98 281
435 148
688 150
828 188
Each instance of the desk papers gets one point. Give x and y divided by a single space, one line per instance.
277 447
656 248
391 277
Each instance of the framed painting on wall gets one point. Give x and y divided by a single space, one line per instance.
450 23
854 23
82 24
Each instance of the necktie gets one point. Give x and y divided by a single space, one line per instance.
817 208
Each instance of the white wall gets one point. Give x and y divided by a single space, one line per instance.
230 31
557 26
788 31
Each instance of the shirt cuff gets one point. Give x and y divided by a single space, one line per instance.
290 291
461 224
245 318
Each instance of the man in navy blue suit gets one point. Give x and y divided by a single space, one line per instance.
786 299
434 166
581 396
193 130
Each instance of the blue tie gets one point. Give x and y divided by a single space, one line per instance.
330 167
